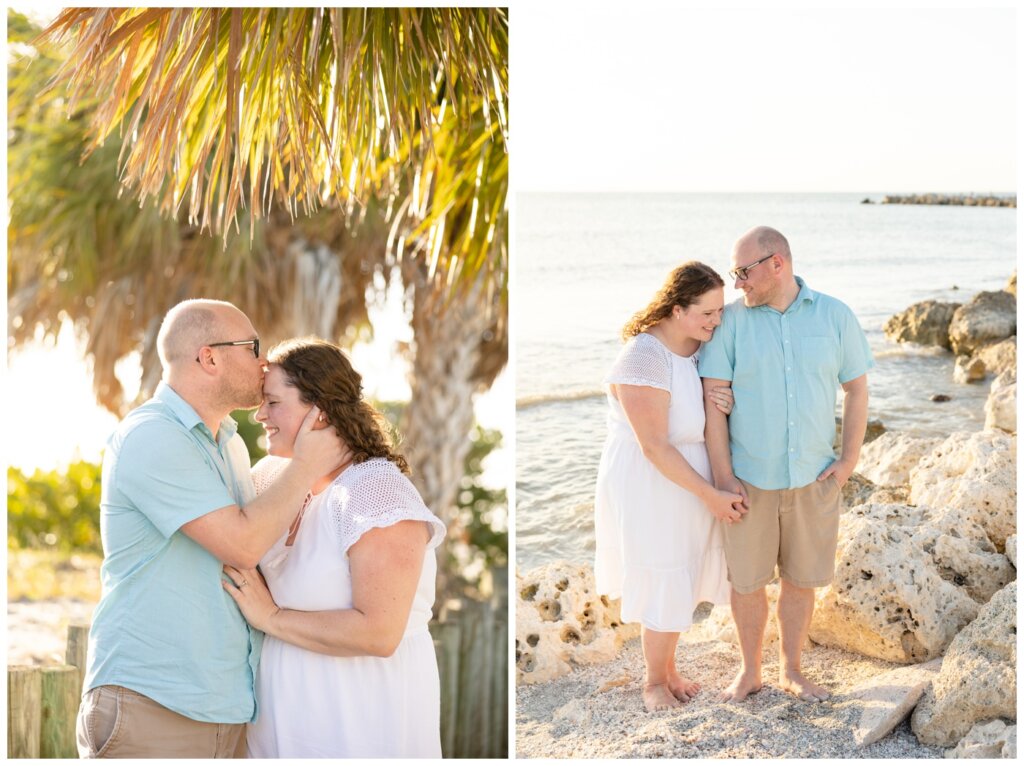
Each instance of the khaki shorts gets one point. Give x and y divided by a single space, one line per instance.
796 529
115 722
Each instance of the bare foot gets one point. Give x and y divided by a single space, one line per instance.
658 697
682 688
743 685
794 682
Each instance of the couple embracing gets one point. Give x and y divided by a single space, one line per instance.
719 463
277 612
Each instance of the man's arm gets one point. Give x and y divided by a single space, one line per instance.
716 436
240 536
855 422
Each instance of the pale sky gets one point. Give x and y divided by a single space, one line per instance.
637 98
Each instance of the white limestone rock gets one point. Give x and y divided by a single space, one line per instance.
887 460
907 581
561 621
888 699
1001 405
978 680
968 369
976 472
994 739
1011 549
926 323
987 317
999 357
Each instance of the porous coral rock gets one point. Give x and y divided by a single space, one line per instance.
993 739
926 323
888 459
968 369
976 472
907 580
1011 549
999 357
561 621
1001 405
987 317
978 680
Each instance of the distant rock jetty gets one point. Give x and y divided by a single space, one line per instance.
969 200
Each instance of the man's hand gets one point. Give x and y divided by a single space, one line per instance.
732 484
840 469
318 446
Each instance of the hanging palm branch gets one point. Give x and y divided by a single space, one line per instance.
222 110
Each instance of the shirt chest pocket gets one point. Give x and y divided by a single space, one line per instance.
818 355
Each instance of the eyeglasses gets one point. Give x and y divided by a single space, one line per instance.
741 272
255 343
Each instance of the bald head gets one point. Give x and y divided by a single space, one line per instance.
192 324
768 241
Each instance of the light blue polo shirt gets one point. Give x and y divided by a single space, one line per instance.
785 370
165 627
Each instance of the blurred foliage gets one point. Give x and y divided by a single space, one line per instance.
55 510
59 511
44 575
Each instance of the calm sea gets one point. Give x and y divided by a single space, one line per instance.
585 263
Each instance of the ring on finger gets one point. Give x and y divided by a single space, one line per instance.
243 583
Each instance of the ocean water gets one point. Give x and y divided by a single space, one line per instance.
586 262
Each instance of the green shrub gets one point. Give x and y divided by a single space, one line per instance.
55 510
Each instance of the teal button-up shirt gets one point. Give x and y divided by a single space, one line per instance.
164 626
785 370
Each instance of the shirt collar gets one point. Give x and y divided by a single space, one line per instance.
805 294
185 413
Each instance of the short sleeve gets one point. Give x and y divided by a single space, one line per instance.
266 471
165 474
643 361
718 355
377 494
856 353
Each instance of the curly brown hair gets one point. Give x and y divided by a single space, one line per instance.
684 287
325 377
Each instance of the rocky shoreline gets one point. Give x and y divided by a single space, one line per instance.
969 200
916 636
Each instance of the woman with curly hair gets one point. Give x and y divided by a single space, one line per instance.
657 512
348 666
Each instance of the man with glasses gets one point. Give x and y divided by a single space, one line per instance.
785 350
171 659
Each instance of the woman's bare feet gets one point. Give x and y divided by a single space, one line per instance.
683 689
658 697
794 682
741 687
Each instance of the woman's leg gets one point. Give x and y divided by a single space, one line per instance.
659 651
683 688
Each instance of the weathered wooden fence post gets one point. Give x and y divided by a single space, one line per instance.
77 651
24 710
447 638
61 687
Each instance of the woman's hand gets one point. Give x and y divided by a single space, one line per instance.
250 592
727 507
722 398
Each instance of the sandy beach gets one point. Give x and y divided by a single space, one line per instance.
570 718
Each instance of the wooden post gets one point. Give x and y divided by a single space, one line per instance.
24 711
447 638
60 697
499 724
77 651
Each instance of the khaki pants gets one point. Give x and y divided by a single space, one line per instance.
115 722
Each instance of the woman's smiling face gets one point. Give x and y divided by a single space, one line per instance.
281 412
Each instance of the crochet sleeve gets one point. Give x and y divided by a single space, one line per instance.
643 361
379 495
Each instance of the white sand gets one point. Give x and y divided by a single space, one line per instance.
37 631
568 718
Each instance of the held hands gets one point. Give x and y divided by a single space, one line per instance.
727 507
250 592
318 445
722 398
840 469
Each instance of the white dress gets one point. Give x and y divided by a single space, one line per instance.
313 705
659 548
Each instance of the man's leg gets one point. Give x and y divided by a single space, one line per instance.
750 613
796 606
659 649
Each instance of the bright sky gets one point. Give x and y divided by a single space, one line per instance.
633 97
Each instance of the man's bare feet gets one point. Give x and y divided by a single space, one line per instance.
658 697
794 682
682 688
743 685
